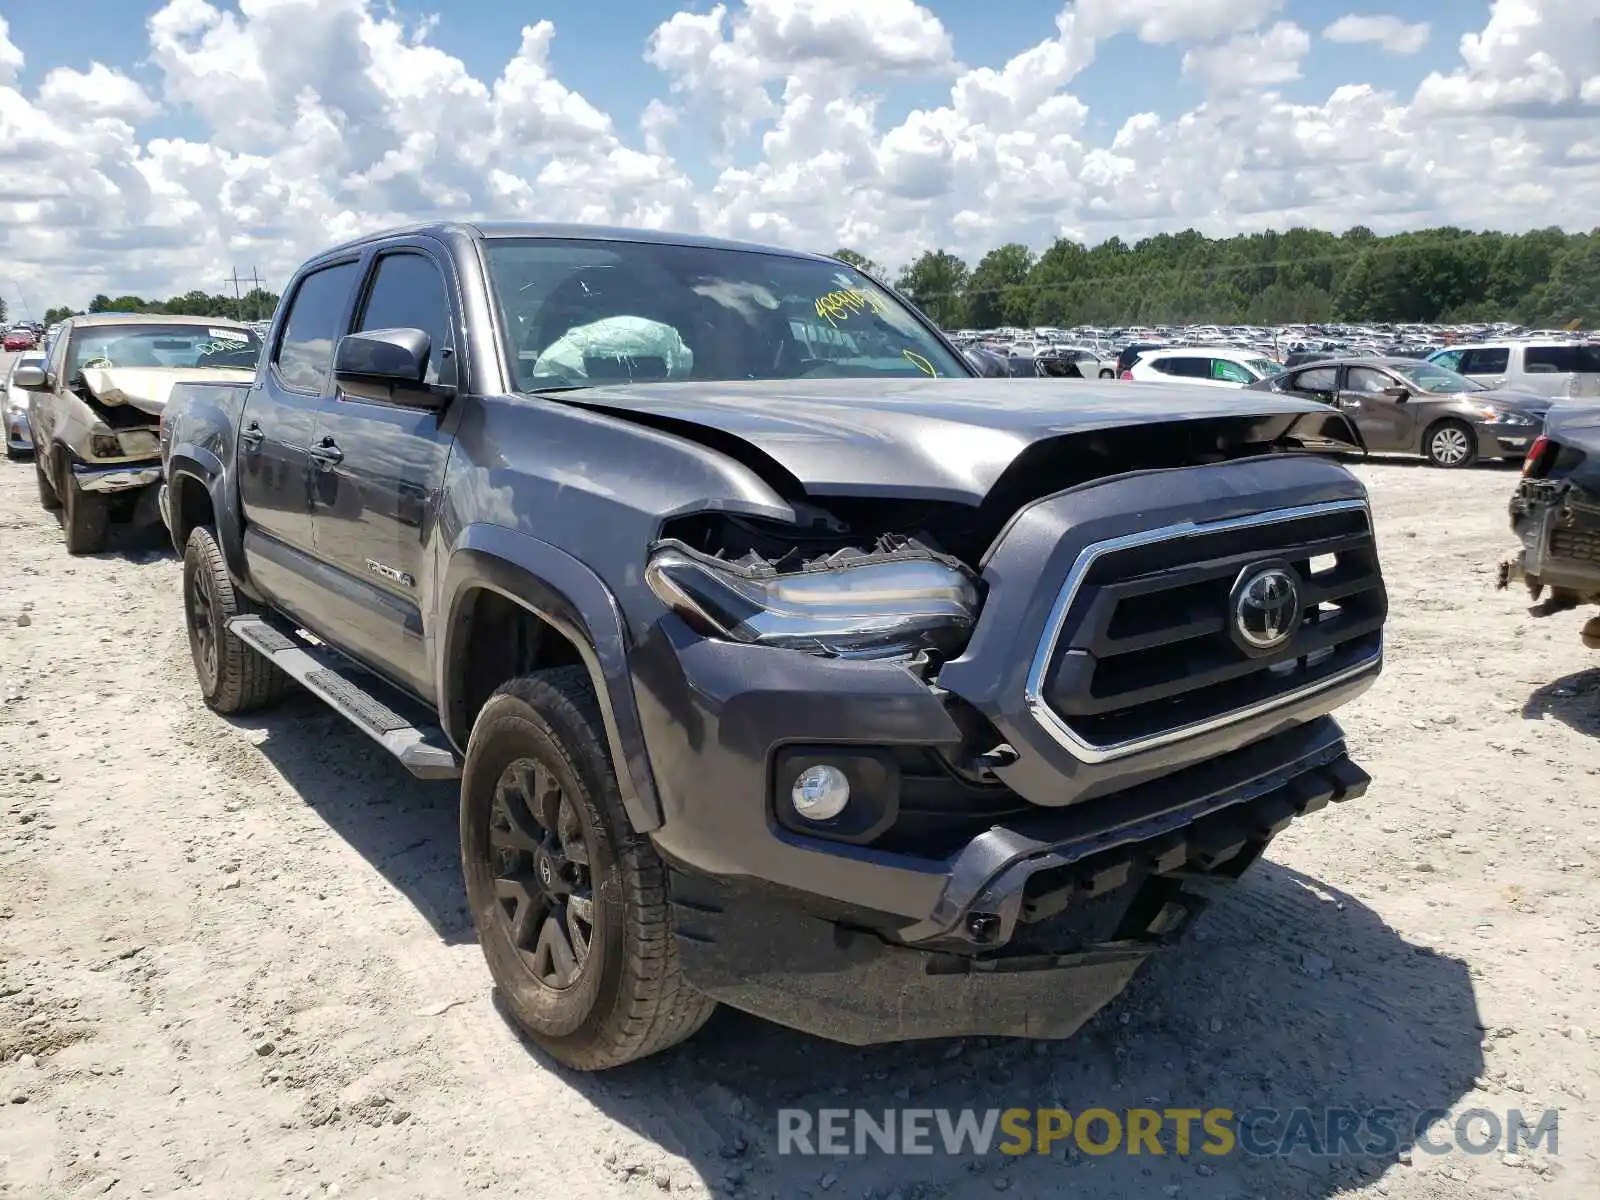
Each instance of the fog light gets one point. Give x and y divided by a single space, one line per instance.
820 793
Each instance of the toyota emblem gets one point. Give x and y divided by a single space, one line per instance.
1266 607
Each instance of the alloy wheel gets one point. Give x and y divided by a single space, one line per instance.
543 882
1450 446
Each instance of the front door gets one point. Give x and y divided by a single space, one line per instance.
377 472
1386 423
275 432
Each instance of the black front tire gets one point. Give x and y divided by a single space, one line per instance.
627 996
85 519
1451 444
48 500
233 677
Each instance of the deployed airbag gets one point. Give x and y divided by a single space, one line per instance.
618 348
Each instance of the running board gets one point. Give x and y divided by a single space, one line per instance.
361 698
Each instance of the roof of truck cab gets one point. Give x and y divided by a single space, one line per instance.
495 230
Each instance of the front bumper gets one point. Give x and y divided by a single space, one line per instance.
1499 440
1072 904
119 477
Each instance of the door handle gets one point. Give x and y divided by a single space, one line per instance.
327 453
252 435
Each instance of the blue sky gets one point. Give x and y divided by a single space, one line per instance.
153 144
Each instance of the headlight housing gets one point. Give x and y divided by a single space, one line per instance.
894 602
1500 416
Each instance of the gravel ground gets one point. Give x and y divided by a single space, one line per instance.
234 959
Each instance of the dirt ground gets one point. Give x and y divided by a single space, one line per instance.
235 962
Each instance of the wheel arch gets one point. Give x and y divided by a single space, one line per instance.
565 599
200 492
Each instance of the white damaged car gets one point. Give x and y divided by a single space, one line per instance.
96 409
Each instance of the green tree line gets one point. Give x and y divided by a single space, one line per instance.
255 305
1545 278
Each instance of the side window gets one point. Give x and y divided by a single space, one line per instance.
1449 358
314 324
1187 368
58 355
1547 360
1231 372
1367 380
408 293
1492 361
1589 359
1318 379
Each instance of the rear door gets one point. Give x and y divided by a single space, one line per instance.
1553 370
377 472
275 432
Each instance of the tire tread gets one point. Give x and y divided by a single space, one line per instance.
658 1007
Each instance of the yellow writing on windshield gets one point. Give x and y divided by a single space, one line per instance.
920 363
841 305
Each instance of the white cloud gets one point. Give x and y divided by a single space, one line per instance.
1534 57
1173 20
1250 61
99 92
324 119
1386 32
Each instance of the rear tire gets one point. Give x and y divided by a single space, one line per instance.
85 518
48 500
1451 444
233 677
1108 374
587 965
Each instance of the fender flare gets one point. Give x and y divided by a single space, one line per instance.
560 590
206 469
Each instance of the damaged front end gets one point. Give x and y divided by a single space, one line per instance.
1555 513
877 832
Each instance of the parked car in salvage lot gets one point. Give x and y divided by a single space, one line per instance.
96 404
845 691
19 439
1555 513
1400 404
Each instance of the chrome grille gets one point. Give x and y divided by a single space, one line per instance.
1139 651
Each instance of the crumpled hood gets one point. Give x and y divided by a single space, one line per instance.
939 439
147 388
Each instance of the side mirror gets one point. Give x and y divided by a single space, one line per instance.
30 378
1398 394
388 365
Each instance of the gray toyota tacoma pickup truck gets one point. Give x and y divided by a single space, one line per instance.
783 661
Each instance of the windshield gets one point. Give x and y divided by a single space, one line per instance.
1263 366
162 346
584 312
1434 377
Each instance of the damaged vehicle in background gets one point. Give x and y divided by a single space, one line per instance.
783 662
1401 404
1555 513
96 408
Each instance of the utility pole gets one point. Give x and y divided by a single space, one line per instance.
238 297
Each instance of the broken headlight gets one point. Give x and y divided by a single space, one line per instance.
853 604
